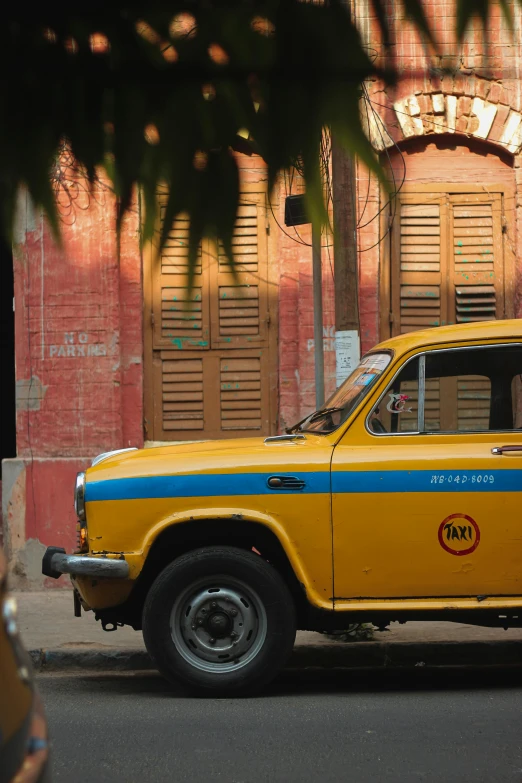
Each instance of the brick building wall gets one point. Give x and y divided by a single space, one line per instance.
473 96
79 308
79 387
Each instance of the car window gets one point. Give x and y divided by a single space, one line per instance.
347 397
517 401
461 390
397 411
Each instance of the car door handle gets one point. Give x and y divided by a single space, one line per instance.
285 482
499 450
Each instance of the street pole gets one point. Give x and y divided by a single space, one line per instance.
346 267
318 314
347 327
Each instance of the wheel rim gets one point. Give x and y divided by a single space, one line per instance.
218 624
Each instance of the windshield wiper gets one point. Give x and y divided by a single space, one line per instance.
313 417
296 427
324 412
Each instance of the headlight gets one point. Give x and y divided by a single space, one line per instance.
79 496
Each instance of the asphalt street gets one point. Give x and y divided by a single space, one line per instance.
457 725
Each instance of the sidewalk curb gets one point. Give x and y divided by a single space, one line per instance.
373 655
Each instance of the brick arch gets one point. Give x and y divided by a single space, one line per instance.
425 114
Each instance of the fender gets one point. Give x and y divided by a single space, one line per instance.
236 515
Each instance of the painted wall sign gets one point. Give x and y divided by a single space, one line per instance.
75 345
328 340
459 534
347 354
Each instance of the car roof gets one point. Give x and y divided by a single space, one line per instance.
481 330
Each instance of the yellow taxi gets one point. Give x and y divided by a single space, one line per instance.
24 747
399 500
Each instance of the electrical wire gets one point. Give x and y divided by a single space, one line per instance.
325 153
366 104
395 192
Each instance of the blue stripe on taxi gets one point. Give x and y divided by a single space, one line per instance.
241 484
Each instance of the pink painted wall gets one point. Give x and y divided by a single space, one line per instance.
79 369
79 340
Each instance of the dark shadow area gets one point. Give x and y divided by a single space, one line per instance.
7 353
299 682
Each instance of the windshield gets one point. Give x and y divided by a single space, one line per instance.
347 397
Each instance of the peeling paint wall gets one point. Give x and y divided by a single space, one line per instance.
79 389
79 341
37 509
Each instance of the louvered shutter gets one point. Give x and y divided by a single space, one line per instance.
476 293
418 264
182 394
476 257
417 278
447 260
240 394
447 267
211 372
181 317
239 301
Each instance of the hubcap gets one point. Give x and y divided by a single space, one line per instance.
218 626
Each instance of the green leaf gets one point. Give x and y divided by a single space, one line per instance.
284 88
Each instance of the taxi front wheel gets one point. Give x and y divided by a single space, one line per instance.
221 620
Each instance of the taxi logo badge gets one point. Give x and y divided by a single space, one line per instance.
459 534
397 403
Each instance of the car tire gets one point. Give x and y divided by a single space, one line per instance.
221 620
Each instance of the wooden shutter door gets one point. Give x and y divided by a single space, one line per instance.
240 321
419 263
476 292
239 301
477 289
181 321
181 318
211 361
448 267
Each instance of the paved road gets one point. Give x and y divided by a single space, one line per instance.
324 726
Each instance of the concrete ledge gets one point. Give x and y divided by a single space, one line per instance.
110 659
367 655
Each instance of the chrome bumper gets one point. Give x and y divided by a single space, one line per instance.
56 562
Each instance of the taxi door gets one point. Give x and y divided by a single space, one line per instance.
427 482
